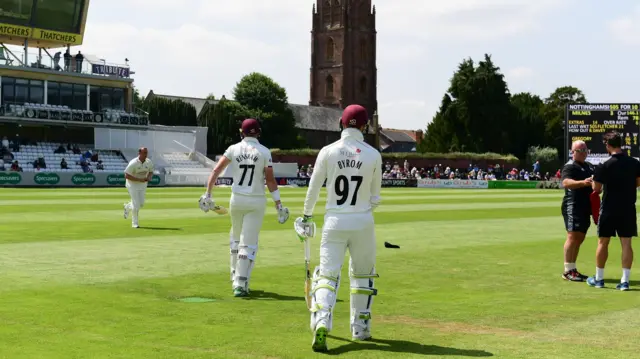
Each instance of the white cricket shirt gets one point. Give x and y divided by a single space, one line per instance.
138 169
353 170
248 159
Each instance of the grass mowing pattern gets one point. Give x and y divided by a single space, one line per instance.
477 275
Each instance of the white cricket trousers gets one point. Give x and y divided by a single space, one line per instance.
137 194
247 215
355 232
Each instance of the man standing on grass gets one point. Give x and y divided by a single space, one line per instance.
353 173
619 177
138 173
252 167
576 207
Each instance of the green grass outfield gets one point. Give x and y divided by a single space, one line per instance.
477 275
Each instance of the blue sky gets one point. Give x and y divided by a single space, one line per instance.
197 47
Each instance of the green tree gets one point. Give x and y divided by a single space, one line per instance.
223 120
554 114
138 100
528 125
171 112
475 115
267 102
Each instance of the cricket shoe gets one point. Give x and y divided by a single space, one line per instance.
135 226
574 276
360 335
240 292
623 286
592 282
319 344
126 211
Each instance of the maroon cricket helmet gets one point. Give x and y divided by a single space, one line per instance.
250 127
354 116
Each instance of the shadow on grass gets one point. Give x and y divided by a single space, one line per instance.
633 284
262 295
403 346
161 228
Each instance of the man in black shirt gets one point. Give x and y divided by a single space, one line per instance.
576 207
619 176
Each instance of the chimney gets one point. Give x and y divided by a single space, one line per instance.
419 136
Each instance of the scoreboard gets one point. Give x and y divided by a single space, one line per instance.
589 122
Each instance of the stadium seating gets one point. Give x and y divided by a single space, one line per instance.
29 153
181 163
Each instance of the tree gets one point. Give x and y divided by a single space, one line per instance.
171 112
267 102
476 112
138 100
223 120
528 125
554 113
210 96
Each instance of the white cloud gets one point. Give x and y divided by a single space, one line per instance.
520 72
626 29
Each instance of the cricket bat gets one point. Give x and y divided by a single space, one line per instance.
307 268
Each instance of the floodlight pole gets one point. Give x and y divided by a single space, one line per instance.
26 52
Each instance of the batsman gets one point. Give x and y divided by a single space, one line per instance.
352 170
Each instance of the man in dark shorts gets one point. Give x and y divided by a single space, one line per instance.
619 177
576 207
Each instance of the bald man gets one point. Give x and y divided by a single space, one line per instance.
577 177
138 173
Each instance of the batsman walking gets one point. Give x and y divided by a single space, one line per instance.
252 167
352 169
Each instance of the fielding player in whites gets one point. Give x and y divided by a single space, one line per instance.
138 173
619 176
352 169
576 207
251 164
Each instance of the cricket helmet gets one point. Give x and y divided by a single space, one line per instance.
354 116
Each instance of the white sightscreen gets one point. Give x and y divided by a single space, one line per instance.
162 141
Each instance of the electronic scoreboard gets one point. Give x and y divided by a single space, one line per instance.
589 122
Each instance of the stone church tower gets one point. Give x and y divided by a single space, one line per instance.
343 54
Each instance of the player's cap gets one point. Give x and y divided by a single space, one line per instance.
250 127
354 116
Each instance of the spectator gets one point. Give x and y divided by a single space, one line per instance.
60 149
39 163
309 170
63 164
15 167
79 60
76 150
5 142
406 166
88 154
100 166
86 168
2 165
56 61
67 60
536 167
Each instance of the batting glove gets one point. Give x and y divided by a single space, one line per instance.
206 203
305 228
283 213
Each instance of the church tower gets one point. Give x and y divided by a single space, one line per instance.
343 54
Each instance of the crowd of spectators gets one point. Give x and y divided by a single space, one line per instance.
475 172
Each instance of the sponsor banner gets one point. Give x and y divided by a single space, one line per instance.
110 70
513 184
399 182
293 181
64 179
456 183
40 34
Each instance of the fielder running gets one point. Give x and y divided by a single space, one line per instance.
352 169
251 165
138 173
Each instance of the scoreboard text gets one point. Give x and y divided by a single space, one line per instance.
589 122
